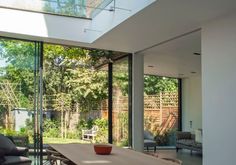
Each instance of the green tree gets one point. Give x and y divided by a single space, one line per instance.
66 7
70 79
155 84
19 57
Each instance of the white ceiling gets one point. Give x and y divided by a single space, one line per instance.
175 58
163 21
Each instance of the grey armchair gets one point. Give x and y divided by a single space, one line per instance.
11 154
149 141
10 149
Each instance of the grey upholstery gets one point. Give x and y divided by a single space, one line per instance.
16 160
10 154
10 149
6 144
187 141
149 141
2 158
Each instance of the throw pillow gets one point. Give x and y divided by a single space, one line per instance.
148 135
198 135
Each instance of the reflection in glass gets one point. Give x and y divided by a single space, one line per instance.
19 93
76 8
120 102
73 96
161 108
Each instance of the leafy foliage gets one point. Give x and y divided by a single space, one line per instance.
51 128
102 134
155 84
19 57
69 70
70 82
66 7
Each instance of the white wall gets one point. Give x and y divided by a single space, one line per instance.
219 90
191 103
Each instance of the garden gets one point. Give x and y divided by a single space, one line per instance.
75 93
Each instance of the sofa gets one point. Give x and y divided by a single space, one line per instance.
10 154
186 140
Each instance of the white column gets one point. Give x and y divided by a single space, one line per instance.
219 90
137 102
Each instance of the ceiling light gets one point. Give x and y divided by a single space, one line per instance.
150 66
193 72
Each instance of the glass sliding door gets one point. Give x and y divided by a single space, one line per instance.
38 104
75 96
161 108
120 102
20 93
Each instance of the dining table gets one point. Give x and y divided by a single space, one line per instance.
84 154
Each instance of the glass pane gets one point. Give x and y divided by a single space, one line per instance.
161 108
18 91
74 93
120 102
76 8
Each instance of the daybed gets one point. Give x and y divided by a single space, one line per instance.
186 140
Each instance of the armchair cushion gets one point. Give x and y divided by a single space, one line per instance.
148 135
2 159
10 149
16 160
183 135
187 141
6 144
18 151
149 140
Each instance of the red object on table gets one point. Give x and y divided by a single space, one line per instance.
102 149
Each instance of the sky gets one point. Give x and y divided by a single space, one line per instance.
2 63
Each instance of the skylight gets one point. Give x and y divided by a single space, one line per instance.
74 8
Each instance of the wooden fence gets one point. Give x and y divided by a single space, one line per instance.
160 113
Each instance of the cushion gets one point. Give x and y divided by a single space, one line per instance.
17 160
198 135
2 159
148 135
6 144
197 145
149 143
18 151
186 142
183 135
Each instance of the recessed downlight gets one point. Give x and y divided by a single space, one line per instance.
197 54
193 72
150 66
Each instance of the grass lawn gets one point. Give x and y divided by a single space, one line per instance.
47 140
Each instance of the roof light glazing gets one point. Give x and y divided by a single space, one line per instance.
74 8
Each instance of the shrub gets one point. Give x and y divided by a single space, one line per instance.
82 124
51 128
102 134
